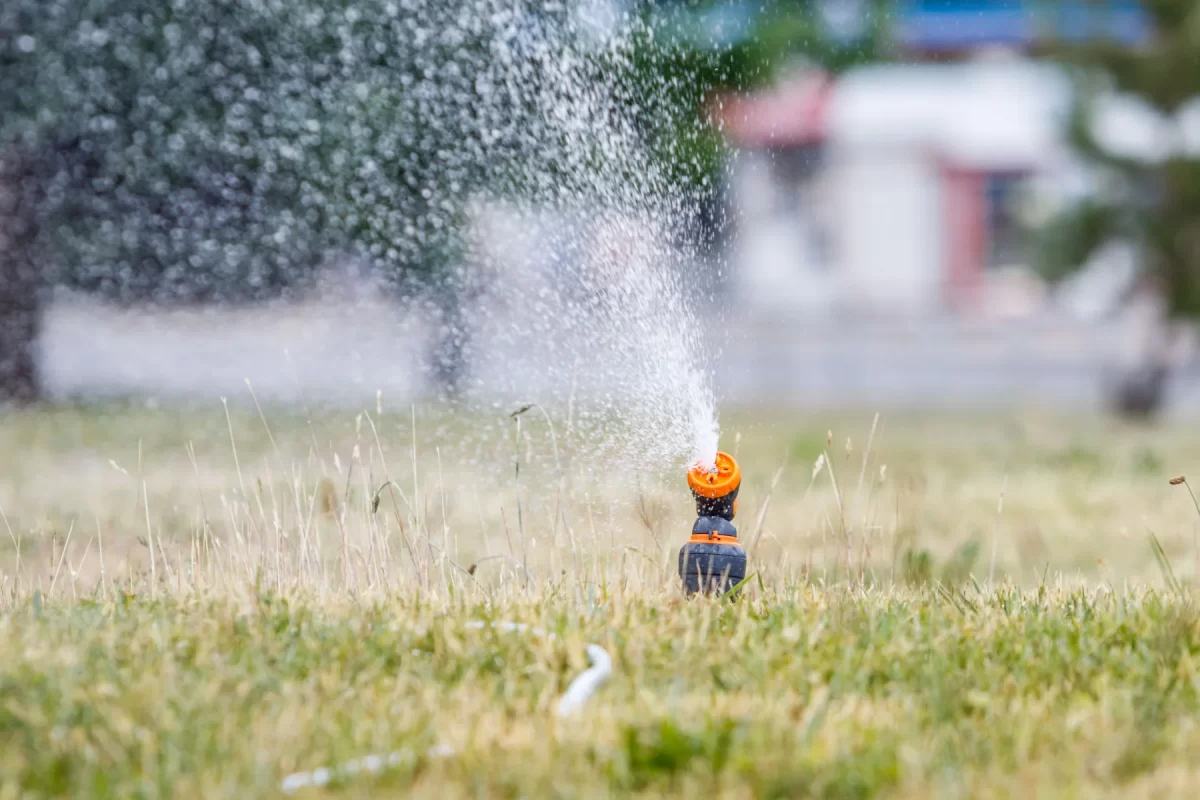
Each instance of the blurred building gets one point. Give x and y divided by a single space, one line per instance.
912 187
897 187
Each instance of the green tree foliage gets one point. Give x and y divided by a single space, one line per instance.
220 147
1152 202
199 148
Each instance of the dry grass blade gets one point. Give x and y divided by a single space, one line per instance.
996 533
761 519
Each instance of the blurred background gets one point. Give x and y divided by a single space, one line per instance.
918 203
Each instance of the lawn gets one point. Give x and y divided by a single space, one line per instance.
197 603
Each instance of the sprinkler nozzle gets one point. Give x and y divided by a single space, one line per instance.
713 559
716 488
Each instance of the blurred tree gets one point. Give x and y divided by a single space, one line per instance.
19 285
215 150
222 150
1150 199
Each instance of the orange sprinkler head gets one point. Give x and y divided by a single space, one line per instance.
717 483
713 559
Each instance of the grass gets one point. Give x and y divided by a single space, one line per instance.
315 598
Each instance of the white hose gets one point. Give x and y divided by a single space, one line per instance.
587 682
578 693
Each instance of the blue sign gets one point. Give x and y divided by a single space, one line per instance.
930 25
964 24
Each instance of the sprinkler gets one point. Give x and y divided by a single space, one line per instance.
713 559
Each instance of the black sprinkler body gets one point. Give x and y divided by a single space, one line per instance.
713 559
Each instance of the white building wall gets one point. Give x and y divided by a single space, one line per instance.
887 241
779 267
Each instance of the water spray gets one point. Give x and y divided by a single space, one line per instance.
713 560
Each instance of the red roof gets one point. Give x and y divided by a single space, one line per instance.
791 114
